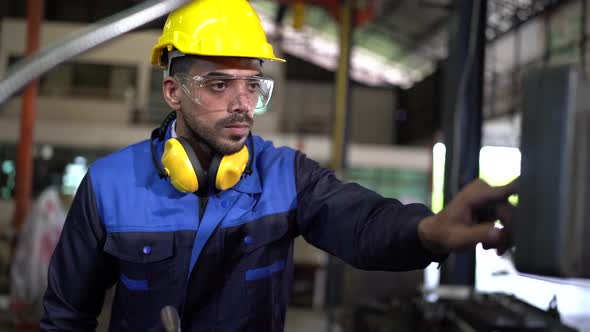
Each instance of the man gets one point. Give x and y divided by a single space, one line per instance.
203 215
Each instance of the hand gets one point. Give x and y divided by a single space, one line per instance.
457 226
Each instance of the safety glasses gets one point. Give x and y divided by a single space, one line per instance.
218 91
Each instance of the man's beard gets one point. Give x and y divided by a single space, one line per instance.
209 134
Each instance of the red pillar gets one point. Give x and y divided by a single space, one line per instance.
24 162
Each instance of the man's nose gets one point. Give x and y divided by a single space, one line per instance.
241 104
242 99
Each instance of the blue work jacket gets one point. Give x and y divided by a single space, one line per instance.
227 271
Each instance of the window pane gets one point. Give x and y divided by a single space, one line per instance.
88 80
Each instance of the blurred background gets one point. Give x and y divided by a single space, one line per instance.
411 98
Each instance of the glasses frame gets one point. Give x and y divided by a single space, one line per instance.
201 80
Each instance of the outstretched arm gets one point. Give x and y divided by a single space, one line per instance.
358 225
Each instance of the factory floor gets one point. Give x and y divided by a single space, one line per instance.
298 320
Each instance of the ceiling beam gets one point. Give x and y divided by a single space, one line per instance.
516 21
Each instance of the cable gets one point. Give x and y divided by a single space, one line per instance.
96 34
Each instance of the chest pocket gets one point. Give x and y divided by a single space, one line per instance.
255 271
145 259
264 239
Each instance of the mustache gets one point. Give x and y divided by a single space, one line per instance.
235 119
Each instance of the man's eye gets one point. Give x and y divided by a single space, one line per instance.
218 86
254 85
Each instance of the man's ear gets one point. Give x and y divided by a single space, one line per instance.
171 90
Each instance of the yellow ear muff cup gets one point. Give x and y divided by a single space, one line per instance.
178 165
231 168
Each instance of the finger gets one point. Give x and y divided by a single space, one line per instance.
479 192
467 237
500 240
505 214
502 210
506 190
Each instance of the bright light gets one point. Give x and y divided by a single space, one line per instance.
8 166
438 176
499 165
432 272
9 169
73 175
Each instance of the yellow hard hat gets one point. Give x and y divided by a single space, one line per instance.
214 28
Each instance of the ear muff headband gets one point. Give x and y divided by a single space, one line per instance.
214 168
202 184
159 134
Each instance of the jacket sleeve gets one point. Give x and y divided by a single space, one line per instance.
356 224
79 272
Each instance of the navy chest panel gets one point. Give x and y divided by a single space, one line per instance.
241 279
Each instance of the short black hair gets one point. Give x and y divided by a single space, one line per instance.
182 65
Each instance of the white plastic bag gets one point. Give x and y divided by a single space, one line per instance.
36 241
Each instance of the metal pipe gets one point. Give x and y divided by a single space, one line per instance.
340 144
24 161
548 41
96 34
517 64
463 118
583 37
342 90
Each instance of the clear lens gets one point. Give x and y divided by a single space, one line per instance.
218 92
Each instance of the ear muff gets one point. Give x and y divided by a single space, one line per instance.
187 175
181 165
230 169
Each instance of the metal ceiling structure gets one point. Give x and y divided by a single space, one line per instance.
398 46
401 44
507 15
